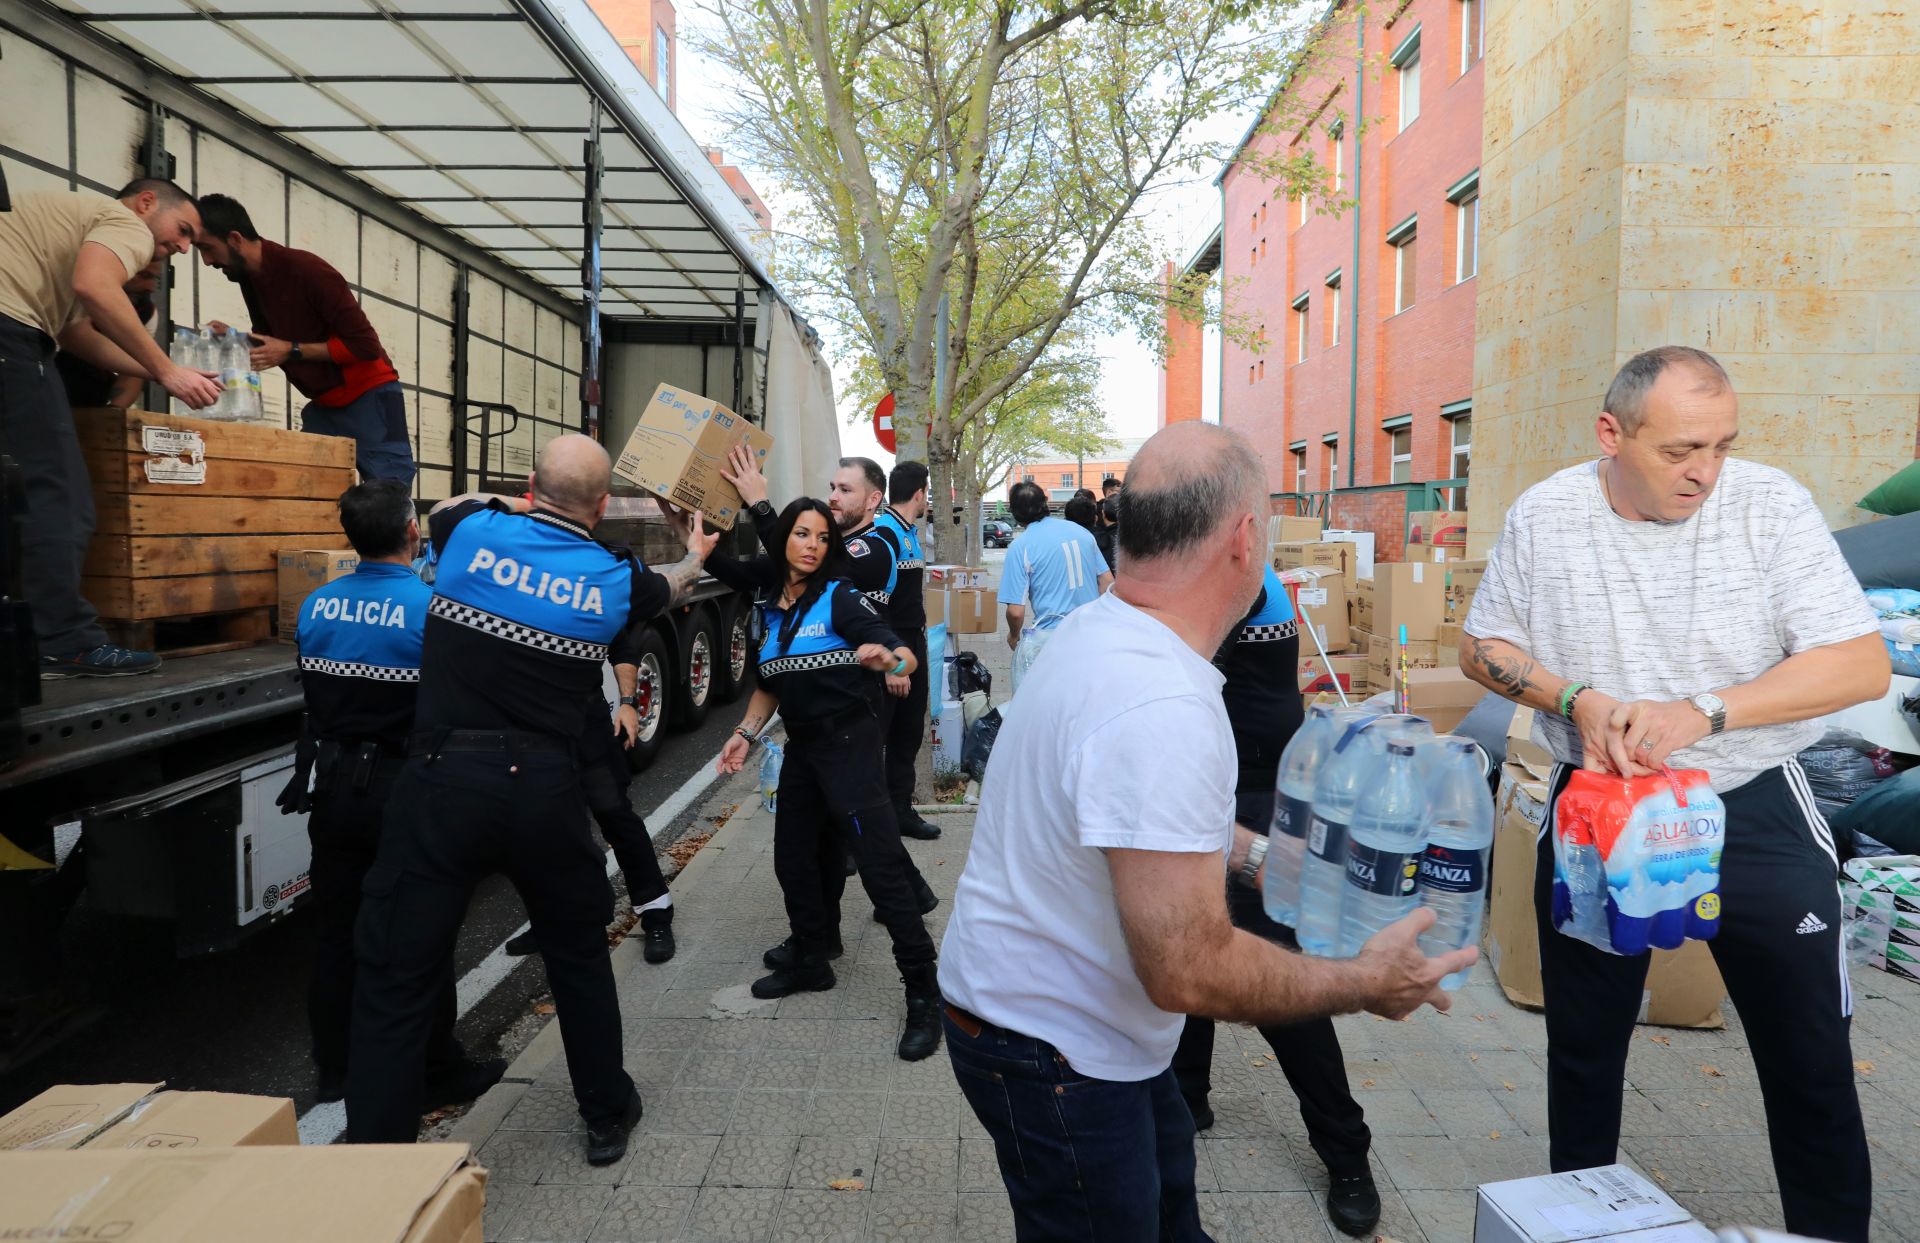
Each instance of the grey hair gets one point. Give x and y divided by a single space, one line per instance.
1627 395
1182 504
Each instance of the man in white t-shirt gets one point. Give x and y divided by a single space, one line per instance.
1090 917
1667 604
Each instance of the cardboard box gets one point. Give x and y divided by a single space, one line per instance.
69 1115
1446 528
1362 604
964 610
1319 596
1522 749
1411 594
203 1120
956 576
1318 675
1341 556
1463 579
1612 1203
1449 645
678 447
1383 662
1683 986
370 1193
1444 696
1362 540
302 572
1287 529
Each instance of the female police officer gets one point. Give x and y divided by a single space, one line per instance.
824 644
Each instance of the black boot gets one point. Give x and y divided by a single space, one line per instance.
657 927
784 954
607 1141
913 825
853 865
1353 1203
921 1036
923 896
521 946
808 973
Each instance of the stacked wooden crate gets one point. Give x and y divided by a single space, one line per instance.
183 553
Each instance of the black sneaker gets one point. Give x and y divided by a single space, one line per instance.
521 946
1353 1203
105 661
332 1087
607 1142
1202 1115
808 974
923 894
463 1082
659 947
786 953
917 827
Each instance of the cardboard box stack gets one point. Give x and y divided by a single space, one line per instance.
958 596
1318 675
1288 529
1340 555
1437 528
1463 579
1443 696
678 447
1319 595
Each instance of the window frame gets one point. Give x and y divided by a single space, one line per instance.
1473 33
1396 459
662 61
1406 62
1336 135
1464 195
1333 309
1332 444
1457 413
1299 453
1299 307
1403 238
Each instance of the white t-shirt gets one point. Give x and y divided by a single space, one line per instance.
1666 610
1117 739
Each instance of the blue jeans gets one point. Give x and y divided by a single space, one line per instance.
377 422
1084 1160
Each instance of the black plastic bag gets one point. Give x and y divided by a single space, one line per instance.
973 675
978 747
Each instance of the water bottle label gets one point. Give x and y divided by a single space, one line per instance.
1326 841
1386 872
1291 816
1452 870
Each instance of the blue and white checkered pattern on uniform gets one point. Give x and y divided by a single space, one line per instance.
371 620
1274 619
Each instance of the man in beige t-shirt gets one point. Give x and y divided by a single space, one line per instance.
64 259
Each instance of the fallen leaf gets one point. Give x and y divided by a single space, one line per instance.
1366 1083
846 1184
1863 1066
1506 1085
1494 1135
1662 1040
1249 1152
545 1007
1474 1057
1659 1174
1712 1071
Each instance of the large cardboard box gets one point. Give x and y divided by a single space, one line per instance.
1383 661
1319 597
369 1193
1362 604
1443 696
1317 674
956 576
1446 528
1449 646
1362 540
1463 579
203 1120
1683 986
302 572
964 610
1339 555
678 447
68 1115
1289 528
1411 594
1611 1203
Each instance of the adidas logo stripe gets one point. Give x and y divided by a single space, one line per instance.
1812 923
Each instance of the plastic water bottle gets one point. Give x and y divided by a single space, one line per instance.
1453 871
241 381
770 775
182 352
1385 842
1349 767
1293 807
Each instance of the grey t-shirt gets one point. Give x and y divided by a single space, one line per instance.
1666 610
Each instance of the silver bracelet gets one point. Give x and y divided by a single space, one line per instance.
1256 855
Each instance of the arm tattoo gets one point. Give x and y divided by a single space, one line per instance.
681 577
1509 675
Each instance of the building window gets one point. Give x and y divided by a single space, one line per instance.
1472 33
1108 475
1466 239
1406 60
1333 464
1263 368
1333 310
1253 256
1335 156
1300 470
1066 479
1405 255
1300 329
1462 457
1249 373
1402 471
1027 477
662 60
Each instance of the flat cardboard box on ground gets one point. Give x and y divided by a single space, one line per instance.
1319 596
304 571
964 610
1445 528
367 1193
1610 1203
139 1115
678 447
1411 594
1683 986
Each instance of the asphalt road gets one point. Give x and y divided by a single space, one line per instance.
236 1022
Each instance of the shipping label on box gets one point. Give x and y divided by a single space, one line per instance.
302 572
678 447
1411 594
1318 674
1445 528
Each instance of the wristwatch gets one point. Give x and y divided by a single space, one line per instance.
1714 708
761 509
1256 855
629 701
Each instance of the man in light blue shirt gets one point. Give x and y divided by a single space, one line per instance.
1053 568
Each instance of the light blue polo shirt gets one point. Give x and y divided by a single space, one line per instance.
1052 568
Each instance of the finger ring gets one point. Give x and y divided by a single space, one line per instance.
1646 744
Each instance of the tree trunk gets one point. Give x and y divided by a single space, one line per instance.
971 501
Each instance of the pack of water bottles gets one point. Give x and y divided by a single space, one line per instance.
1636 860
226 355
1375 816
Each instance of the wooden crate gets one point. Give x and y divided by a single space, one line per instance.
169 550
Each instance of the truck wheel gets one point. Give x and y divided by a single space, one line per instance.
699 674
733 664
651 687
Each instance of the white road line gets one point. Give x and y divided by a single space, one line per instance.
323 1124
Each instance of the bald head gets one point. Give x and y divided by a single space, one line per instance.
1186 482
573 475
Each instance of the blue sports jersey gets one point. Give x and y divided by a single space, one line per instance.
1052 569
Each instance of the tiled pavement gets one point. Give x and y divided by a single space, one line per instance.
756 1111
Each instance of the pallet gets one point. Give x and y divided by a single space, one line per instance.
112 429
193 636
164 556
188 595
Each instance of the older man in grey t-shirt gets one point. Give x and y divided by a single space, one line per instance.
1667 604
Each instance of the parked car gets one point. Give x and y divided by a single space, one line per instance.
996 534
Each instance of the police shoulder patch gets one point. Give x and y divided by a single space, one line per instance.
857 548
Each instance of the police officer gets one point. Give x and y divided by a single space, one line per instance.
1261 663
907 728
359 643
524 607
825 646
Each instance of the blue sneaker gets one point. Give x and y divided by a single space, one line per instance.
105 661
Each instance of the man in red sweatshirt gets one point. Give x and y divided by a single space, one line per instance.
309 324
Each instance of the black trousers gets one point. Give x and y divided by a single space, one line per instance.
36 428
451 820
907 727
833 797
1308 1053
1789 985
349 802
605 778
